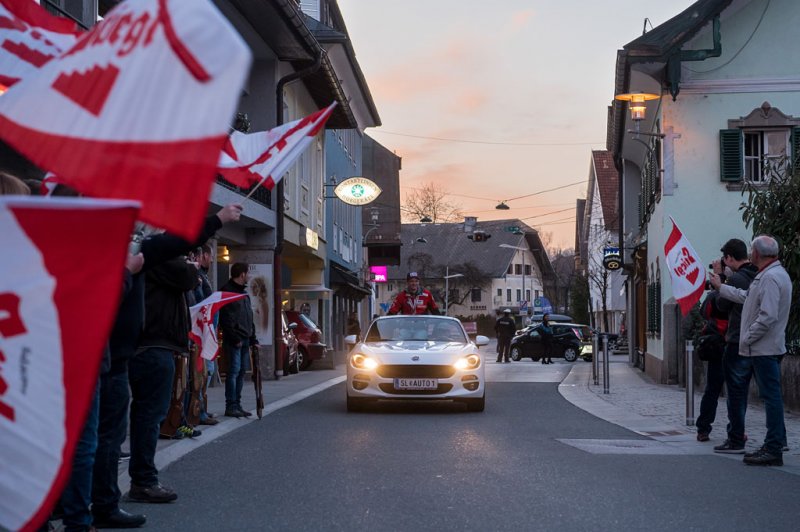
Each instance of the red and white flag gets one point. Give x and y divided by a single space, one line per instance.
49 184
138 108
60 286
264 157
685 269
203 332
30 37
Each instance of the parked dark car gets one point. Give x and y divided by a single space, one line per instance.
291 360
309 335
567 342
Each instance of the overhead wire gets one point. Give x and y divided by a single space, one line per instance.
486 142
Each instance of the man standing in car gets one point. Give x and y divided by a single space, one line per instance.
414 299
505 328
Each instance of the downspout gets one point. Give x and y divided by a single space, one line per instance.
279 210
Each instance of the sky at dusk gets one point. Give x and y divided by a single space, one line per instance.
521 89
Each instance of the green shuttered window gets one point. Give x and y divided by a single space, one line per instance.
731 160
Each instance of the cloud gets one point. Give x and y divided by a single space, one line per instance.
470 100
520 19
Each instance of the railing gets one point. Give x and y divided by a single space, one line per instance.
261 195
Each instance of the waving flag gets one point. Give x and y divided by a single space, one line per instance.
30 37
49 183
255 158
57 307
685 269
138 108
203 332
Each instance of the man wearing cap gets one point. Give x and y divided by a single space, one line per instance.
414 299
505 328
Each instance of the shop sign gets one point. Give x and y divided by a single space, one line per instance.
378 274
357 191
312 239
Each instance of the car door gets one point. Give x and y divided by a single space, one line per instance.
533 345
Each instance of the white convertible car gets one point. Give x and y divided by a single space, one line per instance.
416 358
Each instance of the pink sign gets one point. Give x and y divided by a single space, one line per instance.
379 274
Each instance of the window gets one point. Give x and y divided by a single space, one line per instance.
519 294
510 269
508 294
527 295
499 292
537 294
517 269
758 144
527 269
476 295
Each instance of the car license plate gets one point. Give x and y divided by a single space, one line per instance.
416 384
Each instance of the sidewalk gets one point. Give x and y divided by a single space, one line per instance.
659 411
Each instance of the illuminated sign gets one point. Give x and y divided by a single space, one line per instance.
378 274
312 239
612 260
357 191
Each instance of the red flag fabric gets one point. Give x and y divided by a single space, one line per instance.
685 269
264 157
138 108
58 299
203 332
49 184
29 38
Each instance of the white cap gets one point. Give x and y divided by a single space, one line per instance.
508 310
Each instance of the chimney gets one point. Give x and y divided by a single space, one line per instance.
469 223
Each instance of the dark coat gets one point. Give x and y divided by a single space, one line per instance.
741 278
236 319
128 325
166 313
505 327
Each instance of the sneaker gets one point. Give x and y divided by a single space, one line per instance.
729 448
702 436
119 518
189 432
763 457
157 494
124 455
234 412
177 436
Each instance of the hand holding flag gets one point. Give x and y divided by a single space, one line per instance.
685 269
203 332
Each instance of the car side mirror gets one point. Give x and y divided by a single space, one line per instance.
292 326
350 339
481 340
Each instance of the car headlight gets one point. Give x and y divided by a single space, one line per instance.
468 362
360 361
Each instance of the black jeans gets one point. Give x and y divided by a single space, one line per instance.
503 345
715 377
112 429
150 374
77 494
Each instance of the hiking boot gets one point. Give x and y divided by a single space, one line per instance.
763 457
177 436
702 436
233 412
245 413
157 494
728 447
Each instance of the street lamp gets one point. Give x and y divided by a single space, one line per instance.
518 248
447 278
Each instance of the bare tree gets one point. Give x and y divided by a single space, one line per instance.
563 262
461 287
431 200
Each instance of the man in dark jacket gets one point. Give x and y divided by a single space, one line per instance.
504 328
238 335
114 385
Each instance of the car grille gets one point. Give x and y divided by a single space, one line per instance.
388 387
419 371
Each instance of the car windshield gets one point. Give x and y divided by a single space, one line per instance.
416 328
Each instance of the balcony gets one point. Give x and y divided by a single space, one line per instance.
262 196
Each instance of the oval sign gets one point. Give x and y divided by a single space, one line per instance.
357 191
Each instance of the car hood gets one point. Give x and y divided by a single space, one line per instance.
402 351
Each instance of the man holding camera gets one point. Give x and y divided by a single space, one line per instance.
762 326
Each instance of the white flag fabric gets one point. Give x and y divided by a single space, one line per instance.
139 108
203 332
57 307
264 157
685 269
30 37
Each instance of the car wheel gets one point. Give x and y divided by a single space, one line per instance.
516 354
475 405
302 359
570 354
356 404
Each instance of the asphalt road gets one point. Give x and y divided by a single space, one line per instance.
434 466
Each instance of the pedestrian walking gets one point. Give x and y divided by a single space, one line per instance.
762 343
504 328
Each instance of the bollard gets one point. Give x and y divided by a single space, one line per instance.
595 357
689 384
606 371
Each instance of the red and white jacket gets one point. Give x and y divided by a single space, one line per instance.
421 303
